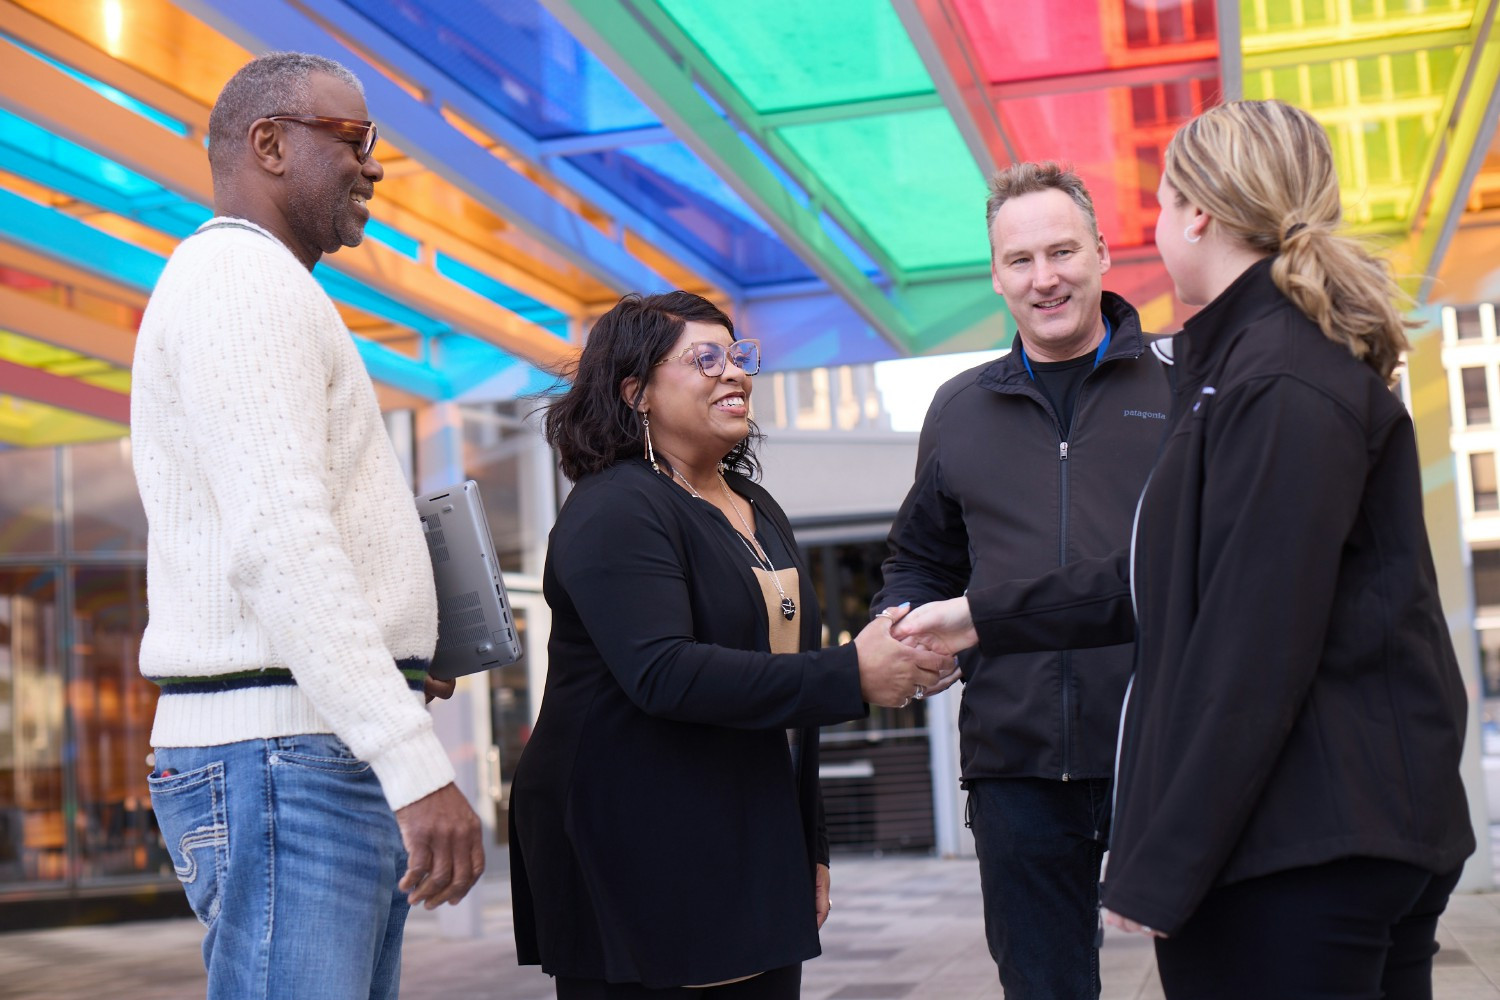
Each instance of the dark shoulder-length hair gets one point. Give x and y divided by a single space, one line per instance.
590 425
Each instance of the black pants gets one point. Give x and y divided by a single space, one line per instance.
1355 929
1039 843
778 984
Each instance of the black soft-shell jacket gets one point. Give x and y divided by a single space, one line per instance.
658 831
1296 698
999 495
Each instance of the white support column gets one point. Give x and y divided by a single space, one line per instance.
440 446
954 840
439 454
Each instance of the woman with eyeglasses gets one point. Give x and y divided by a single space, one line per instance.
666 825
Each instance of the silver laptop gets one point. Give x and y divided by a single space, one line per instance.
475 628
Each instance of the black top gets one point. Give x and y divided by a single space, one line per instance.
658 835
1296 698
997 498
1060 382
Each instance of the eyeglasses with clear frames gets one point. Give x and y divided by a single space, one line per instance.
361 134
711 356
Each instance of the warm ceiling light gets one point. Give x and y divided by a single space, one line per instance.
114 25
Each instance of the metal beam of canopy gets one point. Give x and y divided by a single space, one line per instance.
41 320
76 244
1465 143
694 100
70 109
543 154
940 41
64 393
420 129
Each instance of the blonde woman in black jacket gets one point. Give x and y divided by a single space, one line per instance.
666 827
1290 819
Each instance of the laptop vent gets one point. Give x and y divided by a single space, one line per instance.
461 621
437 545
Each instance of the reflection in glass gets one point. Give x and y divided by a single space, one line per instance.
28 501
510 722
112 707
107 512
495 449
33 837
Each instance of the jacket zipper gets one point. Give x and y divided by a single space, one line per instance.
1066 658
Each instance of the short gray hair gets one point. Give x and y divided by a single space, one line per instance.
1029 178
273 84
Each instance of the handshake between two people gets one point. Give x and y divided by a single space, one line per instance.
908 654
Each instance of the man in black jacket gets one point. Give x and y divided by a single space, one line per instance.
1026 463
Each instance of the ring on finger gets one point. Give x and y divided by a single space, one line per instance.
886 614
919 693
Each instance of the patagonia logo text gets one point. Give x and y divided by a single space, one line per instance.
1146 414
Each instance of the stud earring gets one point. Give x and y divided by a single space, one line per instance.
650 455
1187 234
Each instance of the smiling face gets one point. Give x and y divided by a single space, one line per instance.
326 185
1049 265
693 416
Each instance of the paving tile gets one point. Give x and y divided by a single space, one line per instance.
873 991
904 928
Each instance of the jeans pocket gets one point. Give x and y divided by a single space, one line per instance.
319 753
193 817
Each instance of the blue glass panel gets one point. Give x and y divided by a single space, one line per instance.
119 97
19 137
517 58
669 183
406 246
523 305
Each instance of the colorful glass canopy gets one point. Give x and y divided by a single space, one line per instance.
817 168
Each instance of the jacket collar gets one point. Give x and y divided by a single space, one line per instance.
1125 341
1208 334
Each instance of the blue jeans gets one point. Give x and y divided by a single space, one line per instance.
1039 843
290 856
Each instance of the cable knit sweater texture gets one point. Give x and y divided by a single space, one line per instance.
286 569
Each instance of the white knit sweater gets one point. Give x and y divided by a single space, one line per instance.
286 569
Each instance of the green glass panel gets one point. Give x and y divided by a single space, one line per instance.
909 180
786 54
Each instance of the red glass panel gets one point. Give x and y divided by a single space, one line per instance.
1114 137
1014 42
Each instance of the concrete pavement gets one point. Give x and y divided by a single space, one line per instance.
903 928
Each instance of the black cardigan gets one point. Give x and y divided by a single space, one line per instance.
1296 698
658 832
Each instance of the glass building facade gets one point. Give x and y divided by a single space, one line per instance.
75 714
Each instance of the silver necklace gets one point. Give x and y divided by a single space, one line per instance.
747 538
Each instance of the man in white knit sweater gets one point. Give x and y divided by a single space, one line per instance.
299 786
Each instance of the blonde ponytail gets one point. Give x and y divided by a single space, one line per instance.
1263 170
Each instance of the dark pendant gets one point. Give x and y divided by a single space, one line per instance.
788 608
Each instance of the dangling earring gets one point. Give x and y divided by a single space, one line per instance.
1187 234
650 455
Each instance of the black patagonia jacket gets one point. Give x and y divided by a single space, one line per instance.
1296 698
999 495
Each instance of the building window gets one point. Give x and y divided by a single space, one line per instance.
1487 578
1476 396
1467 324
1482 470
